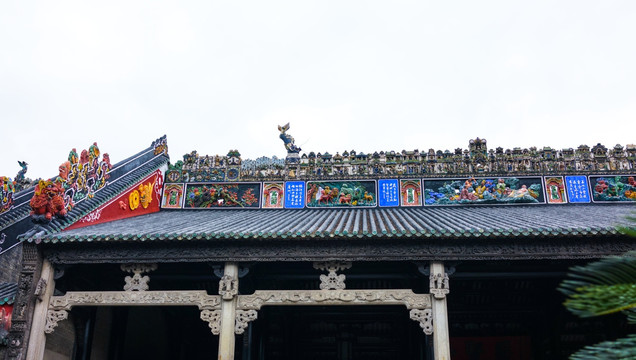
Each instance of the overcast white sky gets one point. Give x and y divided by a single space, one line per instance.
361 75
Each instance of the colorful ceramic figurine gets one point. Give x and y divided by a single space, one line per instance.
48 200
288 139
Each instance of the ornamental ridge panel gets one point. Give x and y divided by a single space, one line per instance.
476 160
339 193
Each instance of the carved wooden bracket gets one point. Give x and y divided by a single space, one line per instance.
52 318
243 317
425 318
213 318
137 282
40 289
228 287
332 281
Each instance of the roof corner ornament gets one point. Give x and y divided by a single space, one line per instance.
21 181
288 140
292 150
160 146
48 201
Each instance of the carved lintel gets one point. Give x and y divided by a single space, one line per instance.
425 318
334 297
52 318
137 282
332 281
439 285
197 298
243 317
40 289
213 318
228 287
393 249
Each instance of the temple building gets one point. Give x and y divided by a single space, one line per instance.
376 256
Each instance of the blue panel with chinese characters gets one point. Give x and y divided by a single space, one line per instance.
578 189
294 194
388 192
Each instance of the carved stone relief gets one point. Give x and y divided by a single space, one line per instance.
209 304
333 297
197 298
137 282
40 289
439 286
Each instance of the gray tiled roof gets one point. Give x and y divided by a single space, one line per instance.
434 222
7 292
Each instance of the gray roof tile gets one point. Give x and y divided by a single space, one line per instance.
436 222
7 292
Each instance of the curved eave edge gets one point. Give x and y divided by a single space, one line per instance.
7 301
494 235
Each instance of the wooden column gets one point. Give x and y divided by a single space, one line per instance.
228 316
37 338
441 343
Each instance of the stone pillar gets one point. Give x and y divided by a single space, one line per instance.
228 289
439 289
44 291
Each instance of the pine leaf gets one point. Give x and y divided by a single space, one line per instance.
621 349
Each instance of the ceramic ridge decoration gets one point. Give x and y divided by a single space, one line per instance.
222 195
613 188
411 192
555 190
273 195
173 196
486 190
341 194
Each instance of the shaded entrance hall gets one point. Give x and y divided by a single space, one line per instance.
337 332
497 310
133 333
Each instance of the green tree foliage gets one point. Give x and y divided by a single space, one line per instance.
605 287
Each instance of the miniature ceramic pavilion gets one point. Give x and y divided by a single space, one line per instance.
389 255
